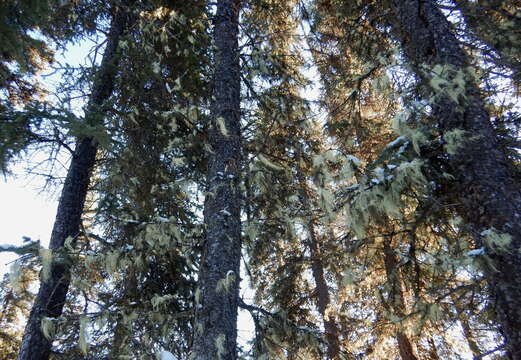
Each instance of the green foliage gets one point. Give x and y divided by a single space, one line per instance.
22 53
15 302
349 202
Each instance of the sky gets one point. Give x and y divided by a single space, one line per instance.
24 211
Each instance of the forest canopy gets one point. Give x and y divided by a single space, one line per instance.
345 173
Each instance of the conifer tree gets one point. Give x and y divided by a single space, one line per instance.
16 301
22 53
381 220
217 297
490 196
21 57
345 28
55 280
500 34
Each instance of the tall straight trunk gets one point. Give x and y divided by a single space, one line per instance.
322 293
51 296
317 270
396 301
489 195
121 331
215 329
467 330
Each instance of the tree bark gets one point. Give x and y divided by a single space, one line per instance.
396 301
317 269
489 194
467 330
322 292
433 351
215 329
51 296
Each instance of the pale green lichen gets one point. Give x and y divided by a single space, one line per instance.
197 296
348 278
83 342
48 328
448 81
268 164
434 312
383 194
412 134
454 141
111 261
251 231
222 126
224 285
496 241
158 301
15 277
69 243
326 202
220 343
46 258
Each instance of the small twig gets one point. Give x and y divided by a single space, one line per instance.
252 308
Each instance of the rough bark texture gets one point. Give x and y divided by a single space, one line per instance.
215 329
489 194
51 296
396 301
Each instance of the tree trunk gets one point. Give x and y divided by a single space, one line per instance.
405 346
215 328
433 351
396 301
489 194
322 292
121 330
51 296
317 269
467 330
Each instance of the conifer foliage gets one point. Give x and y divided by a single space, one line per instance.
352 164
